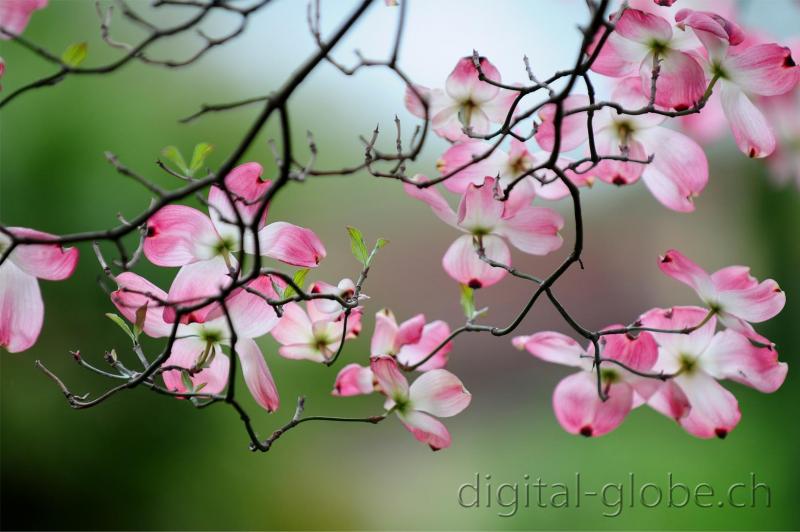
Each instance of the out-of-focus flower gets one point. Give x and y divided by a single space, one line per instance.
21 305
466 101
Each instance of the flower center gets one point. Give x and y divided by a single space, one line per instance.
658 47
224 246
609 376
688 364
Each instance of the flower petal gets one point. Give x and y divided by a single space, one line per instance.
410 331
21 308
678 319
353 379
681 81
179 235
643 27
463 84
440 393
135 292
479 212
465 154
302 352
461 261
391 382
639 352
552 347
252 317
246 188
534 230
45 261
580 410
573 127
679 171
15 15
714 410
681 268
256 375
765 69
427 429
434 199
195 283
755 304
752 132
433 334
185 354
670 400
294 327
732 356
291 244
384 338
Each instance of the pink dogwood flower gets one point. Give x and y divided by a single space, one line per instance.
21 305
313 335
698 360
638 38
345 290
436 393
741 73
15 15
465 101
506 166
409 343
354 379
198 346
204 246
781 113
533 230
679 170
731 293
576 402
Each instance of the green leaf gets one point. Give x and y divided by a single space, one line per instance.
299 279
357 245
75 53
141 315
201 151
174 154
187 382
122 325
380 243
468 301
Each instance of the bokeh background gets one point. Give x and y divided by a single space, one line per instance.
142 461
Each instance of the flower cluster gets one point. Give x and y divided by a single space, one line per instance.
681 347
668 64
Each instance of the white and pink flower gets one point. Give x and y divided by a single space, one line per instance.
693 397
313 335
466 101
436 393
21 305
15 15
731 293
533 230
639 38
678 172
204 246
198 345
742 72
576 399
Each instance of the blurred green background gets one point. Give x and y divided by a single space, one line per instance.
142 461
